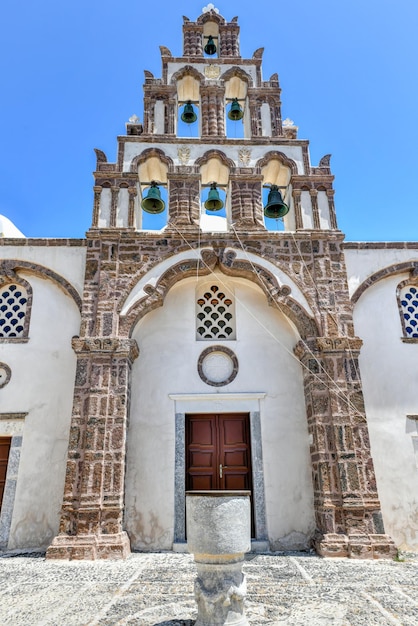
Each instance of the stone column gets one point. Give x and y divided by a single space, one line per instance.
315 213
298 211
131 210
113 206
219 535
92 511
246 202
333 219
96 207
255 119
347 507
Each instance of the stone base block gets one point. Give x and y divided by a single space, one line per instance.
355 546
90 547
383 547
331 545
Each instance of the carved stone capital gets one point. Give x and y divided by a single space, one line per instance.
106 345
327 344
336 344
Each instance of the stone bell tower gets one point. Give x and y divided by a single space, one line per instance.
160 153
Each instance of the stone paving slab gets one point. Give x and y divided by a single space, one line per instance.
157 590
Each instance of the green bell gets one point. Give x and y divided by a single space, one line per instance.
275 206
213 203
235 112
152 202
210 47
188 115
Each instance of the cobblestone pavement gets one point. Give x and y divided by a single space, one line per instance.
157 590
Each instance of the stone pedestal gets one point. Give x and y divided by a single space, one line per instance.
219 535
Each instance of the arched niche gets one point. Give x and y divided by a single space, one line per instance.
188 92
275 172
277 169
152 167
214 170
211 29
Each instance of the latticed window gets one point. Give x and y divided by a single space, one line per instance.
215 312
13 305
408 299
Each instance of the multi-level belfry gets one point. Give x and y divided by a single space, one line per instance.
216 351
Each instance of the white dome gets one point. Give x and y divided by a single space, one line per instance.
8 229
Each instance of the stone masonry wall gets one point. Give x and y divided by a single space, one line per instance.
346 502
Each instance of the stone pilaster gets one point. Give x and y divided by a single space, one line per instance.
347 508
92 510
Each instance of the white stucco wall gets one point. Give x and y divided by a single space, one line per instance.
168 365
390 379
257 151
41 385
364 262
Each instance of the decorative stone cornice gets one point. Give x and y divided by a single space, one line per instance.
106 345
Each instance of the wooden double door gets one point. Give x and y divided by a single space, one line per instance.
218 452
4 458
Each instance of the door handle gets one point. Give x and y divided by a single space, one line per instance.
222 467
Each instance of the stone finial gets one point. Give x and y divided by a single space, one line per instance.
134 119
165 52
210 7
258 54
289 129
325 161
100 156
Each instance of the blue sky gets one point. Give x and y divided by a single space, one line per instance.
72 75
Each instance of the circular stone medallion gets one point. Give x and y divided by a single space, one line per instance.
5 374
217 366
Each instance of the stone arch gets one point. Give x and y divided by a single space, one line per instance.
146 154
276 154
277 295
215 154
240 73
9 269
187 70
397 268
210 16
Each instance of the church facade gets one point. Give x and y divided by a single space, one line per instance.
213 330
